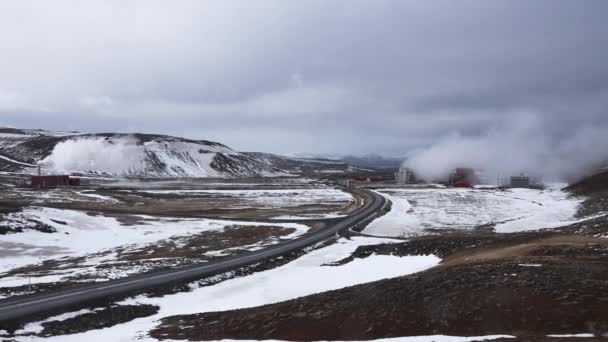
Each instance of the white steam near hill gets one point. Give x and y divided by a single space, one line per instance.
101 155
152 156
521 145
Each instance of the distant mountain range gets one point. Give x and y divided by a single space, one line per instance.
151 155
372 160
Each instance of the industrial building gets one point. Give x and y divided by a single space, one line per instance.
521 181
404 176
40 182
462 177
51 181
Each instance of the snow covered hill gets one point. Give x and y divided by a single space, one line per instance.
142 155
300 164
366 161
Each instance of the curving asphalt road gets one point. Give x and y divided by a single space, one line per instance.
22 306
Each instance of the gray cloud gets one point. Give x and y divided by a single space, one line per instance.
339 76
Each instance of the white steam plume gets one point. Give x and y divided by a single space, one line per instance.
99 154
520 145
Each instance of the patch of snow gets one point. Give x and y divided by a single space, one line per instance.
98 197
396 222
415 210
571 335
86 234
36 327
484 186
13 135
307 217
555 208
530 265
16 161
18 281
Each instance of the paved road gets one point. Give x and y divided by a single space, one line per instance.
22 306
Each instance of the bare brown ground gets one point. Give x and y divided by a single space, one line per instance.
521 250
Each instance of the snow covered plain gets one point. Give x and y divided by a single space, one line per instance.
416 211
307 275
81 234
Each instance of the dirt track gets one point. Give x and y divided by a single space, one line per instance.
523 250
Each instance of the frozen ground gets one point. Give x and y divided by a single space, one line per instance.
307 275
94 237
109 230
236 200
265 198
418 211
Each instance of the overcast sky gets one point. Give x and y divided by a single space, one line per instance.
282 76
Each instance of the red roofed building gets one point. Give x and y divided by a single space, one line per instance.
39 182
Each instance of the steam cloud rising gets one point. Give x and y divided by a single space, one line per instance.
96 154
520 145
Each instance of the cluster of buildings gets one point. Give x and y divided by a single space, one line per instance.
464 177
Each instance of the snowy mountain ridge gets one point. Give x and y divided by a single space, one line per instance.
141 155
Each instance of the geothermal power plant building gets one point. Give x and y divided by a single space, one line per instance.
404 176
521 181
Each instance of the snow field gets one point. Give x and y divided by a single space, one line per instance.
84 234
415 210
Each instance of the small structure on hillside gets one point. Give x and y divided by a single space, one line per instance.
462 177
404 176
521 181
40 182
52 181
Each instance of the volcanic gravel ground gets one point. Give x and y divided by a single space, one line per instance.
442 246
484 299
98 319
